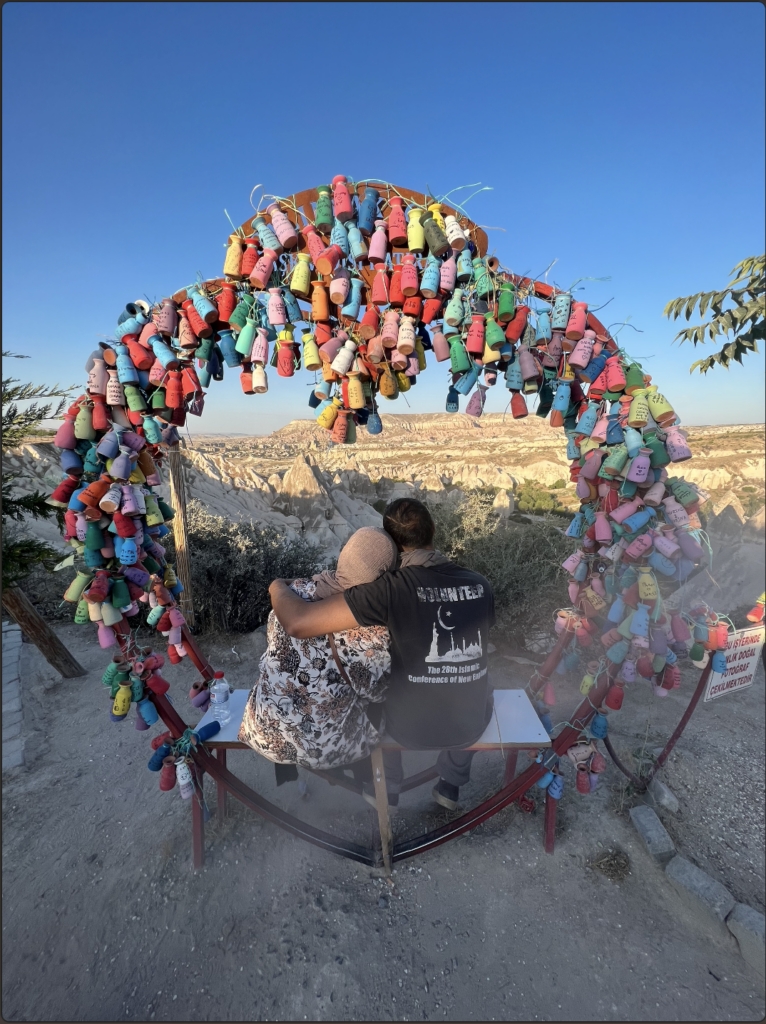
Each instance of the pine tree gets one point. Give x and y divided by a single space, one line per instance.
21 553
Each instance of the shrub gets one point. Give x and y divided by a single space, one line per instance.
751 503
232 565
532 498
521 562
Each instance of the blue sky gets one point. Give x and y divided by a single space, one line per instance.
623 140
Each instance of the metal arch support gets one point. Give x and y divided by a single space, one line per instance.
345 848
642 784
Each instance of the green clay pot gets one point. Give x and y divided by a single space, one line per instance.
120 595
659 456
81 616
506 307
323 217
206 346
494 336
136 401
94 539
167 510
74 591
634 377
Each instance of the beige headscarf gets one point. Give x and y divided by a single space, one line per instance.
366 555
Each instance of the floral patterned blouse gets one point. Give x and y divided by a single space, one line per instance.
301 711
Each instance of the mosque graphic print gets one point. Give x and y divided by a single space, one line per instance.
454 654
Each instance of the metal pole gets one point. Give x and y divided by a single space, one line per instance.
643 784
178 501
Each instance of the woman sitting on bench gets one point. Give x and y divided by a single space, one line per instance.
309 706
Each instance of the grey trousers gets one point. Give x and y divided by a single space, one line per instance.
454 766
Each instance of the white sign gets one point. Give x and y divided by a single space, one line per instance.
742 653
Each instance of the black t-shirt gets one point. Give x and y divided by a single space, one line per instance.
439 619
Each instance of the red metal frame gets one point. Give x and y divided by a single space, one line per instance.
227 783
512 789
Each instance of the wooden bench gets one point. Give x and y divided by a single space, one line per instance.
514 726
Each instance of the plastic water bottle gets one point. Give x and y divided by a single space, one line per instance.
219 699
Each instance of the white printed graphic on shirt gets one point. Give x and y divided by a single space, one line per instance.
455 654
452 666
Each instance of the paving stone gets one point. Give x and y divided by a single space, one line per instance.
10 687
708 900
661 796
655 837
13 754
748 928
10 732
12 718
11 704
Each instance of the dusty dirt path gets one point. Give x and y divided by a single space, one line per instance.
103 918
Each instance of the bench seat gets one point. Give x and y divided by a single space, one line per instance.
514 724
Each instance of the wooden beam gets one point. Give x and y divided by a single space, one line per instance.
36 629
178 502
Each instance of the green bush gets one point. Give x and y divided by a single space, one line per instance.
232 565
522 563
530 497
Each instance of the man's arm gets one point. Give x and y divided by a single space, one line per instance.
302 619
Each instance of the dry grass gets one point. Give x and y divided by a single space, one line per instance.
613 864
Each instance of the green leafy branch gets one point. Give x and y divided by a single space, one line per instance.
742 323
20 423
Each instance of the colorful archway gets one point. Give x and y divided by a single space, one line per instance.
376 294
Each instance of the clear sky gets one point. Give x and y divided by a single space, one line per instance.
624 140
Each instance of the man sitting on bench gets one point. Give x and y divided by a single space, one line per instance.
439 615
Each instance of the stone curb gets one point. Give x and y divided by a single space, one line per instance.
708 900
656 839
12 742
747 926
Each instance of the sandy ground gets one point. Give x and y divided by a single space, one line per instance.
104 919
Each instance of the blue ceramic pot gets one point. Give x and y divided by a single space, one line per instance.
368 211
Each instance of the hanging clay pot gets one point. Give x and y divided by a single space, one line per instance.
368 210
282 227
396 295
416 239
455 234
409 281
233 260
343 209
340 285
435 237
397 222
263 269
320 305
323 216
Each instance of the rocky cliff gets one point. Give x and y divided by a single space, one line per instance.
299 482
